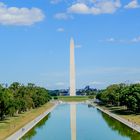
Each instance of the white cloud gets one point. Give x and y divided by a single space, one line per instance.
63 16
133 4
55 1
137 82
78 46
60 84
96 83
136 39
111 40
99 7
110 71
94 7
19 16
127 41
52 75
86 1
60 29
79 8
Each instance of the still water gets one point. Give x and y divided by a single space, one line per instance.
79 122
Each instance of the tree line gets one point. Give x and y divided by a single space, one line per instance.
18 98
122 95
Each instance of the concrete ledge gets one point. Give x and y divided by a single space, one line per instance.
120 119
21 132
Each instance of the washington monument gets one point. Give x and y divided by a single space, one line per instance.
72 69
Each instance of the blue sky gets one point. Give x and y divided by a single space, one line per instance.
35 37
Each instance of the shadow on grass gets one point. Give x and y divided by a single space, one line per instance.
6 120
119 110
122 112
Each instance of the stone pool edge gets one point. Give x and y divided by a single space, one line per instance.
120 119
22 131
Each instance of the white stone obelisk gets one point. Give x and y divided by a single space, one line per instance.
72 69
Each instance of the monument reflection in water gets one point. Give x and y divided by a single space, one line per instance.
73 120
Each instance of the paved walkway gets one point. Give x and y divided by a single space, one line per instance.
120 119
21 132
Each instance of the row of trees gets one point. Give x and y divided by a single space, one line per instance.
18 98
122 94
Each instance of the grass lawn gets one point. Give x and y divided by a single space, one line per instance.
12 124
73 98
122 112
132 118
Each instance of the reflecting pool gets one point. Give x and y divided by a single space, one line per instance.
79 122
